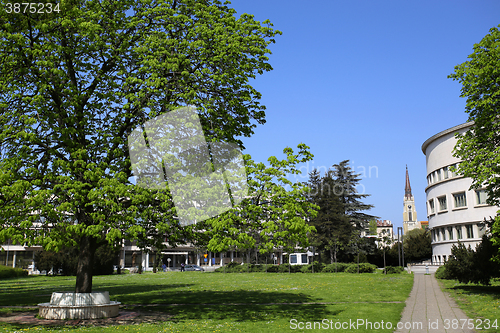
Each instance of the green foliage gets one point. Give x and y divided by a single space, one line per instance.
75 84
417 245
340 209
284 268
393 270
442 273
372 227
273 215
474 266
66 260
479 148
363 268
318 267
336 268
10 272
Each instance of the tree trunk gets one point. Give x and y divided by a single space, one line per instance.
88 247
385 269
331 256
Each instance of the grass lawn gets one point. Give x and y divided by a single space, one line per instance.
480 303
236 302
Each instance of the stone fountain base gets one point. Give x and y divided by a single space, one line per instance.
79 306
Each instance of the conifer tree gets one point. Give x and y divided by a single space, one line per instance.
340 214
345 184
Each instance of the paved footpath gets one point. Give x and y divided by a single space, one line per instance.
434 310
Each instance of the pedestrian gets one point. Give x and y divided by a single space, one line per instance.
164 267
182 267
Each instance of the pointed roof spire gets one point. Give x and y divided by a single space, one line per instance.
407 187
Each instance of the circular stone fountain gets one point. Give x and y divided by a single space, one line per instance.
79 306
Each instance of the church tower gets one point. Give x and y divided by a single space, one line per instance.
409 211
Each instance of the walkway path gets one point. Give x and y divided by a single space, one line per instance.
428 309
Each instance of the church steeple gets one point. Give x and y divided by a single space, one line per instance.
407 187
409 213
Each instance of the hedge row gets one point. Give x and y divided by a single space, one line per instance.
9 272
235 267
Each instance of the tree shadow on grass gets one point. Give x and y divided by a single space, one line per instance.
475 289
33 295
253 312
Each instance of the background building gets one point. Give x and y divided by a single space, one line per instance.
409 211
454 211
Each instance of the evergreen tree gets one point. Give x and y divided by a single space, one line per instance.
344 187
339 216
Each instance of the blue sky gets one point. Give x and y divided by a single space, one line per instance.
366 81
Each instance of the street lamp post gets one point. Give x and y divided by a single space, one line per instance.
399 250
402 253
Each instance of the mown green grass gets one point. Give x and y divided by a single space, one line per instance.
238 302
480 303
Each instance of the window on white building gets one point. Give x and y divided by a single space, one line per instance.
438 174
444 233
470 231
450 233
460 200
481 197
442 203
445 172
431 206
459 232
454 173
293 258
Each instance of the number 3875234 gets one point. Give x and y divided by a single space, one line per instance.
31 7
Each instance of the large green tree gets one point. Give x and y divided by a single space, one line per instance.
75 83
479 148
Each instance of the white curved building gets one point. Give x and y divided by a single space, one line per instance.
454 211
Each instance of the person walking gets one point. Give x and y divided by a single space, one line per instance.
182 267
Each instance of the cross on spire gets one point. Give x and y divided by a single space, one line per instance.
407 187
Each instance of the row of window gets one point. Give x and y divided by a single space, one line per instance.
452 233
459 201
441 174
437 259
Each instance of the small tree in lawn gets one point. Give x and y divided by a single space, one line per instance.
75 83
384 242
274 213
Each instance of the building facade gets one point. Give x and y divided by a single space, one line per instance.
454 211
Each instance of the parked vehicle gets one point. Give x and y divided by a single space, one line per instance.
194 268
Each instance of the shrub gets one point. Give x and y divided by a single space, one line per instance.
442 273
341 267
233 264
318 267
475 266
10 272
363 268
272 268
393 270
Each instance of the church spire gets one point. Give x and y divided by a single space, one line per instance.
407 187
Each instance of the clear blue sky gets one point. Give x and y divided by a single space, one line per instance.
366 81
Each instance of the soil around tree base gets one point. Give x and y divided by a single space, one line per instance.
125 317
